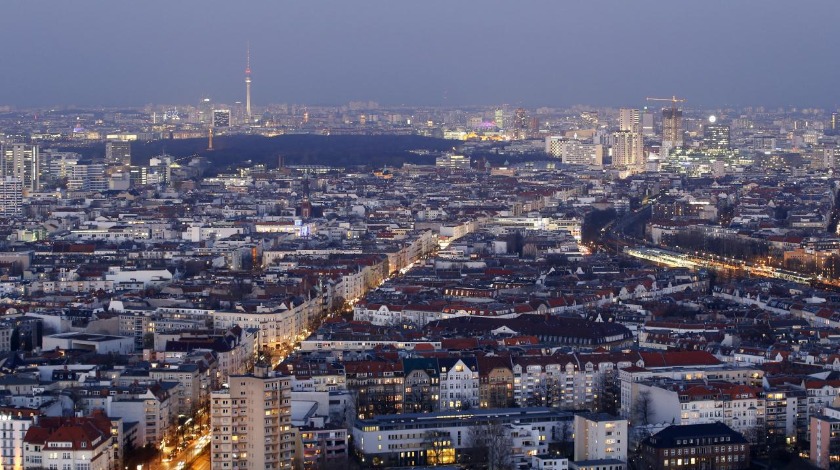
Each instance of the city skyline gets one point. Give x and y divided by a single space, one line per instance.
470 53
374 235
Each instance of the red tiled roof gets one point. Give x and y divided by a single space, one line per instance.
81 432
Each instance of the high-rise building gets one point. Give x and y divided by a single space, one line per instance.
534 125
599 436
77 174
23 162
204 112
574 151
160 170
118 153
628 151
221 118
648 129
715 135
520 123
499 118
672 128
250 422
629 120
138 175
11 195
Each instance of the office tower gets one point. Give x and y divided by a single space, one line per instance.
835 121
204 112
250 422
77 174
160 170
520 123
715 135
248 84
22 161
574 151
629 120
499 118
534 125
11 195
138 176
628 150
648 129
672 128
221 118
52 164
118 153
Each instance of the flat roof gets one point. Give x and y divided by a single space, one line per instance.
88 337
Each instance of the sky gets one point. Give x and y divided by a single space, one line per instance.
432 52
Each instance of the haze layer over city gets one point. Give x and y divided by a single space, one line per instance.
388 235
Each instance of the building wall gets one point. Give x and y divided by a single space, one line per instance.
601 438
251 423
825 439
11 447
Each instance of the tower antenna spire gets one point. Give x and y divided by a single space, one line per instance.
248 80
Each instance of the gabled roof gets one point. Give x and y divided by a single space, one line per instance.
81 432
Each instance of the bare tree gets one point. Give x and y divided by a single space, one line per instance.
565 435
643 408
490 445
438 447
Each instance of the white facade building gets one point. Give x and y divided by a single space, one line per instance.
458 383
599 436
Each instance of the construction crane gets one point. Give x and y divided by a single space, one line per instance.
671 122
673 99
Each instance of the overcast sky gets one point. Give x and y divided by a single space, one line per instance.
429 52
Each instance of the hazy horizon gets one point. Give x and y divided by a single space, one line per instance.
434 53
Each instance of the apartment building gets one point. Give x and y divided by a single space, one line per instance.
250 422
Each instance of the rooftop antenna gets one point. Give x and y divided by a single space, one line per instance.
248 80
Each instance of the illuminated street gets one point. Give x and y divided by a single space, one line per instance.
708 261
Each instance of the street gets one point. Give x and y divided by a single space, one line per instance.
195 455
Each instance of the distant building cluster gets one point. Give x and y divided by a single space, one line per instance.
583 288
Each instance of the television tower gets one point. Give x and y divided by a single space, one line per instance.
248 82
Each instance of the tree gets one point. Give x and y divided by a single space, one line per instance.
148 341
438 448
643 407
490 445
565 439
